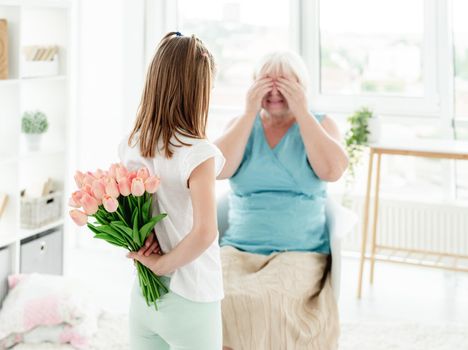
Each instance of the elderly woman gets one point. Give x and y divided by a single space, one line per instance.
279 156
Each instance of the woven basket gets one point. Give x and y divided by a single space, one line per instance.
37 212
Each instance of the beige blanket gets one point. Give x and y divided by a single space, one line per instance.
278 302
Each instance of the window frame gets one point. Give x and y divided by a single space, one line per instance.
428 106
437 106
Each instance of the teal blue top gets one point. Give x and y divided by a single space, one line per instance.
277 202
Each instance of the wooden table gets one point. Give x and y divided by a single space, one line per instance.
440 149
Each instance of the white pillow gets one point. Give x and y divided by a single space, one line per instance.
50 308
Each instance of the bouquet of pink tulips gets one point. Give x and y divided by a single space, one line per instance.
120 201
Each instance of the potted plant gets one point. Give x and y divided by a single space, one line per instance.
356 139
33 125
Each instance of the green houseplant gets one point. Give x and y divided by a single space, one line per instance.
356 140
33 125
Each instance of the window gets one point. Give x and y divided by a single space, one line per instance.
461 168
460 51
460 36
238 32
404 177
372 47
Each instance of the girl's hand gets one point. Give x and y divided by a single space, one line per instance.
295 95
154 262
255 95
151 246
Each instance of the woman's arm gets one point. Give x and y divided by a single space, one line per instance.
204 230
234 140
322 141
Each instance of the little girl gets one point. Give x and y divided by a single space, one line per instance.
169 139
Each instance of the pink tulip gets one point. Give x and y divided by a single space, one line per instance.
72 203
79 217
110 203
124 186
121 171
138 187
113 170
87 189
143 173
131 176
152 184
88 179
99 173
98 188
79 177
75 199
111 187
90 204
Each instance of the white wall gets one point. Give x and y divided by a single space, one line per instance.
110 72
110 76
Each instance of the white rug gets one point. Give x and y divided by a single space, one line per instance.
113 335
404 336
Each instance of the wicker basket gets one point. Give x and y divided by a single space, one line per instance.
37 212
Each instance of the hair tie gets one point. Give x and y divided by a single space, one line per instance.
178 34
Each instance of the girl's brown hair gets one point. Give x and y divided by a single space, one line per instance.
176 96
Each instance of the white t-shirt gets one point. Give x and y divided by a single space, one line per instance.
201 280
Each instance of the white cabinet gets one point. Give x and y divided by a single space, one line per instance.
42 253
5 270
42 23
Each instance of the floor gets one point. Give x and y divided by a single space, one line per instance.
404 293
400 293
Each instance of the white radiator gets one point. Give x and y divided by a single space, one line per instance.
414 225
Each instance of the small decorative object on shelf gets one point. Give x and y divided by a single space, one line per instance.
39 61
33 125
3 203
3 49
40 205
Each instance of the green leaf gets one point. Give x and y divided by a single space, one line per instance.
135 233
123 203
109 239
101 217
93 228
123 228
110 231
146 229
146 209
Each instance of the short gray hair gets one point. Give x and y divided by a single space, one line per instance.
278 62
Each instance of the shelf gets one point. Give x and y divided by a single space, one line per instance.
25 233
7 239
28 155
9 82
34 22
10 3
43 79
46 3
6 159
419 257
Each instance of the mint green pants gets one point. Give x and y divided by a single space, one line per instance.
178 324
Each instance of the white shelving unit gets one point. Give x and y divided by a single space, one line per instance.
33 22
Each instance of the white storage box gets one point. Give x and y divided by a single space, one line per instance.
42 253
37 212
34 69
